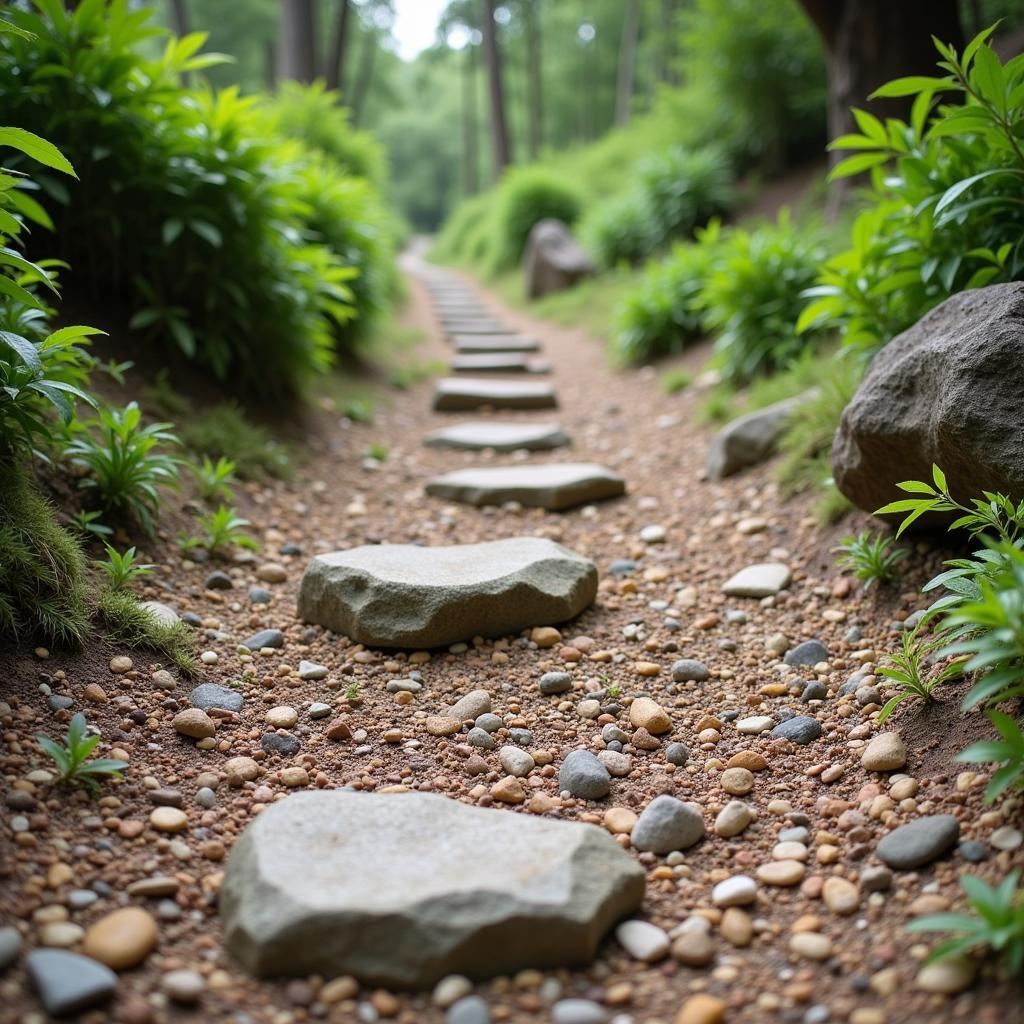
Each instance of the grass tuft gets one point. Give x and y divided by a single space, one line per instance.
127 622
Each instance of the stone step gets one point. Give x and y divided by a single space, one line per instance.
469 343
554 486
464 394
452 327
405 595
501 437
498 362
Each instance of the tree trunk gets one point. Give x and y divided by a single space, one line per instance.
499 127
470 160
364 74
296 42
627 57
870 42
335 73
535 78
179 16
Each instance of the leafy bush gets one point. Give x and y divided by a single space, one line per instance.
72 758
872 558
947 191
754 294
225 432
619 230
529 195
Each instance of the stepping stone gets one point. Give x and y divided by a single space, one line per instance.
498 362
402 890
469 343
556 486
501 437
474 326
762 580
404 595
453 394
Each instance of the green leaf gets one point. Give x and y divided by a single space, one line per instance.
909 86
23 349
955 191
940 479
37 148
65 335
857 164
916 487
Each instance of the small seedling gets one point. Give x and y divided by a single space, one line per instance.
358 410
614 690
221 529
122 569
1007 752
909 671
72 758
215 479
674 381
378 451
353 692
871 558
89 524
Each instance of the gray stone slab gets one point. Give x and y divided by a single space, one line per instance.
555 486
454 326
401 890
502 437
498 362
469 343
454 394
402 595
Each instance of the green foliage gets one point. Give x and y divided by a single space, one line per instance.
72 758
358 410
122 569
126 463
753 296
220 531
215 479
224 432
912 672
674 381
42 569
128 623
871 558
88 524
947 198
619 230
353 692
527 196
378 451
1007 752
995 926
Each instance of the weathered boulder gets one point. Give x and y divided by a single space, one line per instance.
402 595
553 260
947 392
555 486
401 890
750 439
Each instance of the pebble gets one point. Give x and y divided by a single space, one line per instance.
885 753
577 1011
694 948
648 714
814 691
282 717
122 939
168 819
643 941
271 572
183 986
840 896
677 754
947 977
194 723
619 765
121 664
737 781
470 706
668 824
10 945
211 695
811 945
702 1009
67 982
736 927
218 580
311 671
620 820
265 638
508 790
489 722
753 726
686 670
919 842
1006 838
515 761
737 891
763 580
583 775
450 989
809 653
781 872
477 737
733 818
555 682
801 729
240 769
471 1010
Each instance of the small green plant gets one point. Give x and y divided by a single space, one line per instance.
909 670
128 623
614 690
215 479
674 381
220 530
73 757
1007 752
88 523
353 692
123 569
126 463
358 410
871 558
995 924
378 451
225 432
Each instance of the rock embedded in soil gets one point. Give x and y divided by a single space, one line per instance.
500 437
885 753
211 695
643 941
323 882
122 939
750 439
583 775
555 486
763 580
648 714
465 395
809 653
668 824
265 638
687 669
802 729
68 982
919 842
401 595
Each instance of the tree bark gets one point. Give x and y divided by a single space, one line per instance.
534 79
296 45
627 58
499 126
470 160
335 73
179 16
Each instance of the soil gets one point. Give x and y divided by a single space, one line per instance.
624 421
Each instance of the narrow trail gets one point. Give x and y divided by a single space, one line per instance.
660 600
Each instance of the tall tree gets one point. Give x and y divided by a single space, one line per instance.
470 160
499 126
178 10
627 59
535 78
296 51
335 71
871 41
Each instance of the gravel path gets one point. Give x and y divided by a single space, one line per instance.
816 936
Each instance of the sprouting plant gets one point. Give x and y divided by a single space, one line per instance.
1007 752
122 569
215 479
996 923
89 524
909 671
221 529
614 690
378 451
115 370
358 410
72 757
871 558
126 462
353 691
673 381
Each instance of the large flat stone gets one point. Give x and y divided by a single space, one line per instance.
401 595
501 437
401 890
469 343
498 362
555 486
473 325
461 395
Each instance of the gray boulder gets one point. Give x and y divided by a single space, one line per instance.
554 260
947 392
401 595
401 890
750 439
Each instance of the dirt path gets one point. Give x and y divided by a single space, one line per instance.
670 606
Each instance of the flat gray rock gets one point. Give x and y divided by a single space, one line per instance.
752 438
469 343
68 982
402 595
919 842
555 486
501 437
473 325
761 580
453 394
498 362
212 695
402 890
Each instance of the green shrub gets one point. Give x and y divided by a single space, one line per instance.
947 198
619 230
753 296
529 195
225 432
